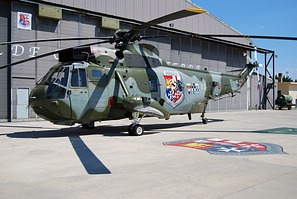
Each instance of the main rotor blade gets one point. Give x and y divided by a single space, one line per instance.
48 54
251 36
54 39
170 17
153 36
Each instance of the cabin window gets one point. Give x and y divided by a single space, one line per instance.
141 61
78 78
96 73
154 62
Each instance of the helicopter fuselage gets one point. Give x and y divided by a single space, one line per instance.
107 88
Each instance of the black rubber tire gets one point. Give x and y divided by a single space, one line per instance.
204 121
89 125
135 130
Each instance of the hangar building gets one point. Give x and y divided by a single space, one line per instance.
43 19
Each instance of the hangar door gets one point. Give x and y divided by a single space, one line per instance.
22 103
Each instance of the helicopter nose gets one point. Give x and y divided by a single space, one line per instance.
37 99
46 106
39 102
37 94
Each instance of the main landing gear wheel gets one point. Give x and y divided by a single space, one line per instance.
135 130
89 125
204 120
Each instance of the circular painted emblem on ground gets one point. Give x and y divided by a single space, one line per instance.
220 146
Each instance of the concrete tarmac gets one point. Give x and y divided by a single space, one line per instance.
42 160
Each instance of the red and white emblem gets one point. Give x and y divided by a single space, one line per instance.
24 20
174 88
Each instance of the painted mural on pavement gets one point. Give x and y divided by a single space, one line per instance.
220 146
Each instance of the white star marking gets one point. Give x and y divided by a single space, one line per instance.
232 149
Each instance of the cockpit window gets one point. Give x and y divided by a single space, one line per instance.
78 77
57 75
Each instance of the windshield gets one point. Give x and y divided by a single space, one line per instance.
56 75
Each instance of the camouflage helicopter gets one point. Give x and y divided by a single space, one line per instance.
132 81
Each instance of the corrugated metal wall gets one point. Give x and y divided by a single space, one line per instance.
257 92
177 49
145 10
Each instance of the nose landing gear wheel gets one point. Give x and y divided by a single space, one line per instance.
89 125
135 130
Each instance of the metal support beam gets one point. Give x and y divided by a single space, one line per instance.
273 80
269 86
9 71
265 84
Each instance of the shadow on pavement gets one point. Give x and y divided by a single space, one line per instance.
100 130
91 163
88 159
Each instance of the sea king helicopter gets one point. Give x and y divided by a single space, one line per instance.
132 81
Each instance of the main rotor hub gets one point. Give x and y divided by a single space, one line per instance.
123 37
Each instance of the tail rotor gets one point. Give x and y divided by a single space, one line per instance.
256 65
